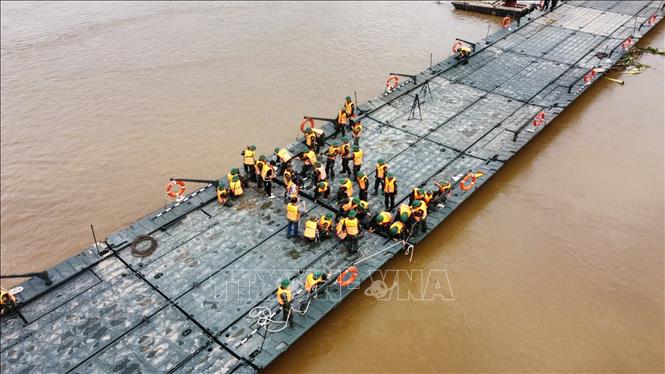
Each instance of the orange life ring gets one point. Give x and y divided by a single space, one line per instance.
652 19
457 46
342 280
395 80
506 22
306 121
466 187
539 119
588 77
627 43
172 192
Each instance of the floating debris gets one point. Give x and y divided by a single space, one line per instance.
630 64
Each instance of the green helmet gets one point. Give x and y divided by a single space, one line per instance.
356 200
404 217
321 185
352 213
308 130
276 150
393 231
345 139
343 180
262 158
378 218
356 148
252 147
360 174
381 161
221 186
416 203
236 178
329 215
390 175
235 171
348 98
421 191
318 274
285 282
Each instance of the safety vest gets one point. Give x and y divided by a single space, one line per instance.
464 50
310 281
420 212
321 173
292 212
399 225
363 206
310 139
325 187
389 186
351 225
332 152
9 295
348 205
264 171
357 128
310 157
284 155
236 187
416 194
249 157
229 178
427 197
386 218
363 182
259 166
348 108
358 157
310 229
286 292
346 150
381 170
445 187
341 117
222 195
325 223
288 177
349 188
404 209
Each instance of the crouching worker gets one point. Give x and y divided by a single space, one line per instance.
463 53
314 280
223 193
284 298
325 226
311 232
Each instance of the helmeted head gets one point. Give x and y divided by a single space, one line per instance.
360 174
352 213
262 158
348 99
276 150
321 185
381 161
329 215
221 186
308 130
390 175
343 181
421 191
393 231
285 283
235 171
345 139
378 218
356 200
236 178
252 147
356 148
404 217
416 203
318 274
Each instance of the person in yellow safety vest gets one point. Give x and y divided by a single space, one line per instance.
229 176
463 54
348 205
427 197
259 168
320 172
311 230
308 159
357 159
356 129
345 189
332 153
223 193
363 209
349 107
284 297
440 195
404 213
248 159
288 175
363 185
293 212
7 302
268 174
419 213
380 175
342 121
397 230
349 229
311 140
282 159
382 221
416 194
322 189
314 279
347 155
389 191
236 186
325 225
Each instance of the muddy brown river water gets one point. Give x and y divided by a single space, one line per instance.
556 265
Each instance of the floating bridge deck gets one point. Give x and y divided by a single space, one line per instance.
186 307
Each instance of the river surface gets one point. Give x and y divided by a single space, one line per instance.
555 265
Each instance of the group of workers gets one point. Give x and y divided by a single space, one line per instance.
314 280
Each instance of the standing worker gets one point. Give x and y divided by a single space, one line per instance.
345 152
389 191
284 297
363 185
258 167
345 189
357 159
282 159
320 173
308 159
248 160
293 212
229 176
222 193
342 121
380 175
311 140
332 153
348 229
268 174
236 186
356 129
349 107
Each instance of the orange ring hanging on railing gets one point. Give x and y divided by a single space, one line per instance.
466 187
457 46
506 22
343 281
588 77
395 81
175 194
306 121
627 43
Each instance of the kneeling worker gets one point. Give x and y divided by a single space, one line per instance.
325 225
314 280
222 193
